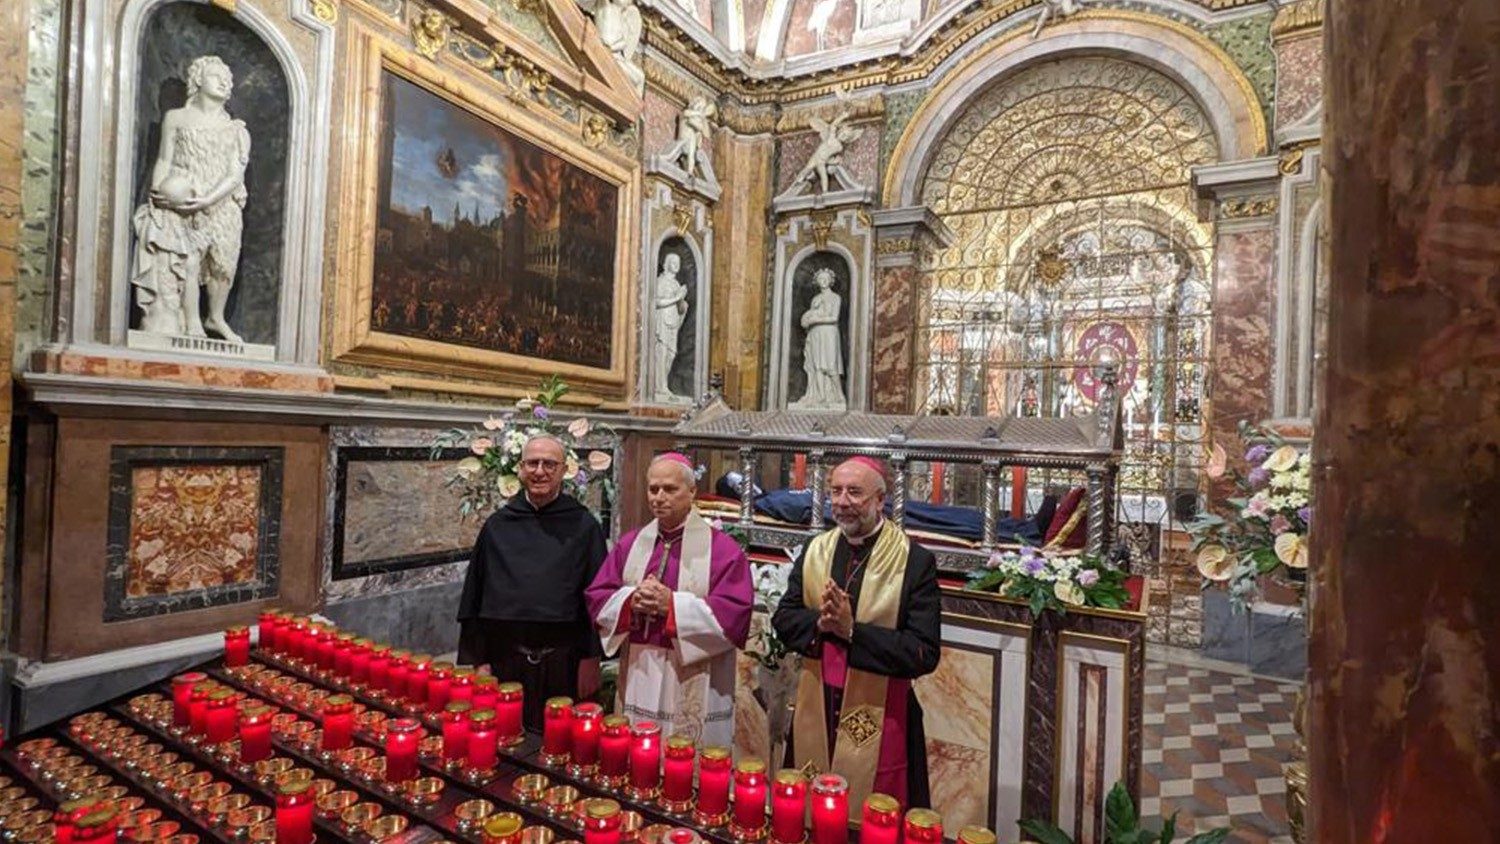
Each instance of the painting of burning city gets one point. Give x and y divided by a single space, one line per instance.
485 240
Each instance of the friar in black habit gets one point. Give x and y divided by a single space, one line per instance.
522 611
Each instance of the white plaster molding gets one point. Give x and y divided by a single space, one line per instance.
107 90
1236 178
801 196
1307 129
1296 253
32 674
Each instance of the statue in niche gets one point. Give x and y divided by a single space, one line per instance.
833 136
693 130
619 23
822 350
188 231
669 308
1055 11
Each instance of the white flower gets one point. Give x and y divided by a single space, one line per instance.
509 485
600 461
579 428
1281 459
469 467
1291 549
1214 563
1069 593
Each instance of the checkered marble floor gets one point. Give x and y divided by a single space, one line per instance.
1215 743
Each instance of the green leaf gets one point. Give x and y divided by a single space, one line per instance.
1169 831
1120 818
1044 832
1213 836
1266 560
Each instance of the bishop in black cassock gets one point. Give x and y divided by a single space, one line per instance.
862 606
522 611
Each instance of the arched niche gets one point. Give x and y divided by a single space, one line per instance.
682 371
804 292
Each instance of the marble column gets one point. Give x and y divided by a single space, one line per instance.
737 339
1404 668
903 236
14 18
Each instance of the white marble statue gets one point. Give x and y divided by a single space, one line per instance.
833 136
188 231
669 308
693 131
1055 11
823 350
619 24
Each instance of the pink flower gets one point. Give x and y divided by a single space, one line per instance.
481 445
1280 524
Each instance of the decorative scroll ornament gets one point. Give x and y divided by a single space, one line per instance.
822 228
324 10
595 130
429 32
1240 209
682 218
1297 17
1291 162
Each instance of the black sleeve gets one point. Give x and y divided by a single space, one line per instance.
472 597
794 622
597 549
911 650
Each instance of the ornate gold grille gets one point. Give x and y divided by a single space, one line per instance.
1067 187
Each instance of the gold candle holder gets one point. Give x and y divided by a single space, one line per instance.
430 748
425 791
373 770
183 788
388 826
127 804
85 786
199 798
22 821
653 833
321 787
218 812
262 833
267 770
558 800
42 833
353 758
537 835
15 806
333 804
530 788
471 814
357 817
630 825
139 817
241 820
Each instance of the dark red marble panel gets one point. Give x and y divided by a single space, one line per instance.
891 363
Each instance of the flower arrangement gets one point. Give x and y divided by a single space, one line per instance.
1051 581
770 584
1265 531
491 474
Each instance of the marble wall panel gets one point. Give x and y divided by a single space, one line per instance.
959 777
801 39
1244 297
1299 78
959 699
891 361
660 115
861 158
394 510
752 738
191 527
39 178
193 374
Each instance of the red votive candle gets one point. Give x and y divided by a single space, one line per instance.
483 741
236 646
359 662
713 786
881 820
677 775
923 826
198 707
298 639
439 683
456 730
486 691
749 800
788 807
96 827
221 718
255 733
508 701
830 809
396 672
601 823
416 679
380 660
327 646
461 687
338 722
182 696
68 815
557 730
343 654
266 624
645 759
585 728
682 835
614 751
402 735
294 812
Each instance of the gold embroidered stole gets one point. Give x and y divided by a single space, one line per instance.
856 752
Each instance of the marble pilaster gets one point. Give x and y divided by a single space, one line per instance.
1404 660
737 344
904 236
13 58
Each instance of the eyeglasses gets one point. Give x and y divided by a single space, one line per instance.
541 463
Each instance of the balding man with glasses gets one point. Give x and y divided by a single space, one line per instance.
522 611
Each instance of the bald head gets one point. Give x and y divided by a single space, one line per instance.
543 463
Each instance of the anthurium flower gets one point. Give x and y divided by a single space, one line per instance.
579 428
481 445
1218 459
1214 562
600 461
1281 459
494 423
1069 593
509 485
469 466
1291 549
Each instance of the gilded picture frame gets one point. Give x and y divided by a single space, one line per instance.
421 362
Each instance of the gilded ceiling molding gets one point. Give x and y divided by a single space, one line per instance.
1091 22
799 119
1300 17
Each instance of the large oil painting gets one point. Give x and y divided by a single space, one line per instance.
487 241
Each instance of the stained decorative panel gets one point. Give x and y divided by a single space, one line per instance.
191 527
